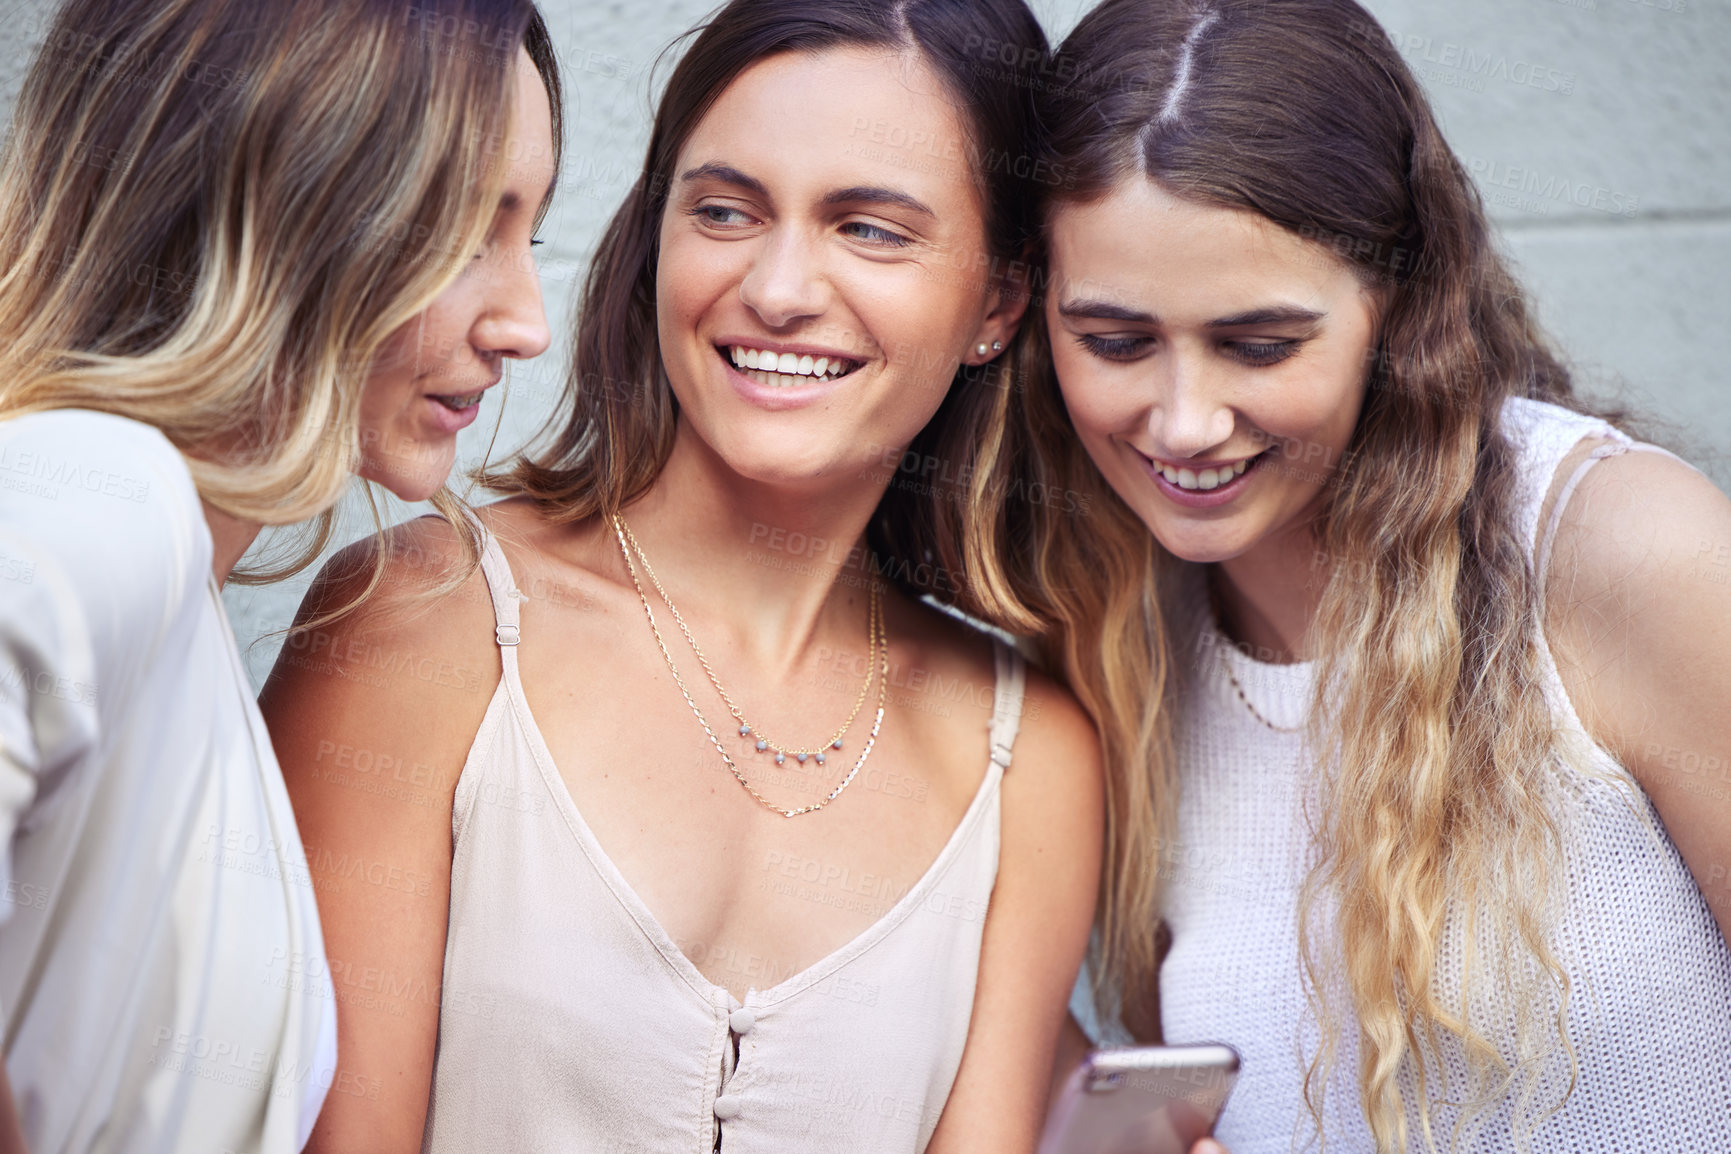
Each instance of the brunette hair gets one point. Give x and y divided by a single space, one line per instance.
213 213
1428 717
621 411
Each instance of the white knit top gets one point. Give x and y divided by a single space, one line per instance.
571 1020
1650 1010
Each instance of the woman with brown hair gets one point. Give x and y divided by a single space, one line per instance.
682 824
247 252
1406 663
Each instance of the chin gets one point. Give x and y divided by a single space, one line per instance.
1199 545
768 460
410 481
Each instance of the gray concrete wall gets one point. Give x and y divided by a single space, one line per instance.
1599 131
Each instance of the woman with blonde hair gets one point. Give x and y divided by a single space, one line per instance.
247 252
1412 671
683 824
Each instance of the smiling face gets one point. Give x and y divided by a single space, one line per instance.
427 381
1213 363
818 280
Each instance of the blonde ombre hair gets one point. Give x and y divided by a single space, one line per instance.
1436 831
213 213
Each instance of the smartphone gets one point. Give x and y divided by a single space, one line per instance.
1140 1100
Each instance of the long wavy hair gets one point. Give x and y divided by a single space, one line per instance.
1434 829
620 411
213 213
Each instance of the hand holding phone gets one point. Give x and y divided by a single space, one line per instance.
1140 1100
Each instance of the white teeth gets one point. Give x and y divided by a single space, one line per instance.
1203 479
800 368
777 380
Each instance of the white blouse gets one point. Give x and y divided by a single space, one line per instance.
163 985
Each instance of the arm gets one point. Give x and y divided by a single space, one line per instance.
1035 932
11 1137
1639 618
1073 1046
342 705
102 546
94 564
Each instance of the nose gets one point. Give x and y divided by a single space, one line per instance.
1190 414
513 322
783 284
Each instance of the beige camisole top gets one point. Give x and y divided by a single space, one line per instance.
571 1021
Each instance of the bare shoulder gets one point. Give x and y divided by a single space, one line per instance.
415 583
399 680
1056 742
1638 593
1642 528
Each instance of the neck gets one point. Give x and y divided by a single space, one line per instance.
230 537
1268 595
771 571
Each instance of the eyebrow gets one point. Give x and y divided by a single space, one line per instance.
873 194
727 175
1272 315
858 194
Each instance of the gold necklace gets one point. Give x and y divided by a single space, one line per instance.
880 645
1220 644
766 744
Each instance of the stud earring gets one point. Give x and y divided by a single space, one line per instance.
981 349
997 346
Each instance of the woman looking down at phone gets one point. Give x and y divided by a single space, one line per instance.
729 842
230 235
1390 638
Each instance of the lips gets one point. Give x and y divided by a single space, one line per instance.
787 369
458 402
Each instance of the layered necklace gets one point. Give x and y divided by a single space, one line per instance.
877 669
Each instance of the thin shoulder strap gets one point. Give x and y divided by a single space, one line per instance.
1542 556
503 590
1007 692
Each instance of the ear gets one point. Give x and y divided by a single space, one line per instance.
1005 307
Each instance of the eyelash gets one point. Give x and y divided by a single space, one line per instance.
884 236
702 211
879 236
1263 353
1111 348
1258 354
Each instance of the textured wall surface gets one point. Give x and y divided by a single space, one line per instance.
1599 131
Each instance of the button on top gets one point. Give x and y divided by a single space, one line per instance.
741 1021
726 1107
